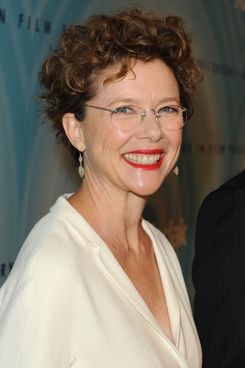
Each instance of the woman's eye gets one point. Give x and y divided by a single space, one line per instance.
125 110
168 110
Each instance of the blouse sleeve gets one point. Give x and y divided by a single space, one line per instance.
35 313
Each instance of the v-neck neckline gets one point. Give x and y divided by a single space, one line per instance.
116 273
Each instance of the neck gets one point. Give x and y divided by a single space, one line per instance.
115 215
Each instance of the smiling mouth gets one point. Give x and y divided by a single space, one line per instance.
142 159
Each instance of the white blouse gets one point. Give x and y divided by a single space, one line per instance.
68 303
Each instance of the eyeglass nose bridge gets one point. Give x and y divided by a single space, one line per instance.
143 114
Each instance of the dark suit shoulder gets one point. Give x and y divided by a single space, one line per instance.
215 202
221 195
236 182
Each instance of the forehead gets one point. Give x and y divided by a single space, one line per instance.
152 78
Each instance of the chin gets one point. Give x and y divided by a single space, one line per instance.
146 191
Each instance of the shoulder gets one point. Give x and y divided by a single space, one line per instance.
228 194
38 300
58 237
49 244
53 257
234 185
236 182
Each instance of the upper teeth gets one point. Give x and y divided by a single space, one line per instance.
142 159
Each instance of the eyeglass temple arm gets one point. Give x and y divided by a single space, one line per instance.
99 108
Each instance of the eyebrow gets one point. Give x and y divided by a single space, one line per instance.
120 99
132 100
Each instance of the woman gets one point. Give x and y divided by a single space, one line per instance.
94 284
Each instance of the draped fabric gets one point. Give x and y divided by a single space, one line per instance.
68 303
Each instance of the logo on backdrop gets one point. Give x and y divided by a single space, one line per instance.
213 148
221 68
27 22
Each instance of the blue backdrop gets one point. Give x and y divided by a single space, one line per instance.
34 170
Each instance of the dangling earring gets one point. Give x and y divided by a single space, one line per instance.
176 170
80 168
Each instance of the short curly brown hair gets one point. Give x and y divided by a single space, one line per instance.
69 73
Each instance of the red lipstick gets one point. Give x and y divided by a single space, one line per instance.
154 166
147 151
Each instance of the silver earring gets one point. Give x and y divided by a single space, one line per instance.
176 170
80 168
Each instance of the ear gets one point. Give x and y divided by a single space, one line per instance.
73 131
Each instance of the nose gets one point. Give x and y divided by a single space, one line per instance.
149 128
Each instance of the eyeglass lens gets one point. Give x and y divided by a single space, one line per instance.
173 120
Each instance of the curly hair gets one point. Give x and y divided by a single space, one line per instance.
69 74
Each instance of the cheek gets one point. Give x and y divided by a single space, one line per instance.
105 142
175 139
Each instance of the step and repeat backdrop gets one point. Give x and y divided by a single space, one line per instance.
34 170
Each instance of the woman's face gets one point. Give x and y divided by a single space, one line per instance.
134 161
